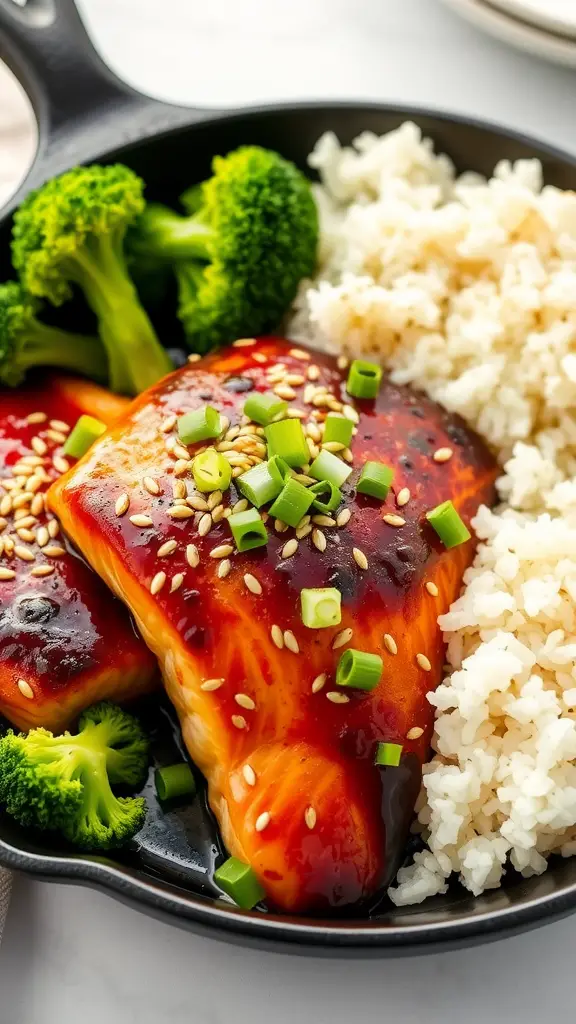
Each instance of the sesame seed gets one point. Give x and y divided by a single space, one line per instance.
180 452
343 517
319 540
324 520
337 698
39 446
319 682
32 460
42 537
181 466
194 358
179 512
26 521
312 448
313 372
342 362
177 582
56 436
60 425
249 775
6 505
350 413
244 343
310 817
9 545
218 513
277 637
245 701
347 455
360 558
211 684
279 526
240 506
333 446
224 568
222 551
298 353
25 689
205 525
415 733
167 548
390 644
341 638
296 414
179 489
432 589
140 520
192 556
291 641
151 485
36 417
259 357
313 431
157 583
197 503
393 520
290 548
168 424
23 553
284 391
6 574
41 570
26 535
252 583
122 505
423 662
53 528
403 497
239 721
442 454
262 821
214 499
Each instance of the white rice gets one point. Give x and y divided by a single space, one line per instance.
467 288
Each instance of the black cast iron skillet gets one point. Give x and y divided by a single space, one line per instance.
84 113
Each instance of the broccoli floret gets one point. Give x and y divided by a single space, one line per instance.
250 238
62 783
25 342
71 232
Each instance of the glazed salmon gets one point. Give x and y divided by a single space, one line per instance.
65 642
289 757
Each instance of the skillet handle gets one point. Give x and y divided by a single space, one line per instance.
82 108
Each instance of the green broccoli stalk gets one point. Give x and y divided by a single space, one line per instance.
25 342
250 238
62 783
71 232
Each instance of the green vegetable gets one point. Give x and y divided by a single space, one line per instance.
364 379
327 466
211 471
239 257
25 342
333 496
199 425
173 781
261 484
448 525
337 428
63 783
287 440
248 530
239 882
320 607
71 232
292 503
263 408
85 431
359 670
388 754
375 480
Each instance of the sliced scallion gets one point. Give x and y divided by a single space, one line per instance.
292 503
327 466
321 607
337 428
286 439
358 670
375 480
248 529
364 379
448 525
261 484
327 496
239 882
175 780
263 408
211 471
388 754
199 425
85 431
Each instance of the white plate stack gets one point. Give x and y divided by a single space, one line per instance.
546 28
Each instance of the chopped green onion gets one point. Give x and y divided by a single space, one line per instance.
211 471
364 379
239 882
337 428
264 408
327 466
85 431
448 525
320 607
359 670
174 781
260 484
277 465
286 439
199 425
388 754
292 503
332 499
375 480
248 530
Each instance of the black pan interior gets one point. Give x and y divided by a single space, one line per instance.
170 872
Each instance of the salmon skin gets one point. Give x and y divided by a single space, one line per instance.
65 642
289 764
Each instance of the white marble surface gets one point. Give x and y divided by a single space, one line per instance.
71 954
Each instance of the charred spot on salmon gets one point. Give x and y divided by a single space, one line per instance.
238 385
36 610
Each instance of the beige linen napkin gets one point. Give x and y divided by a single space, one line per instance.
17 141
